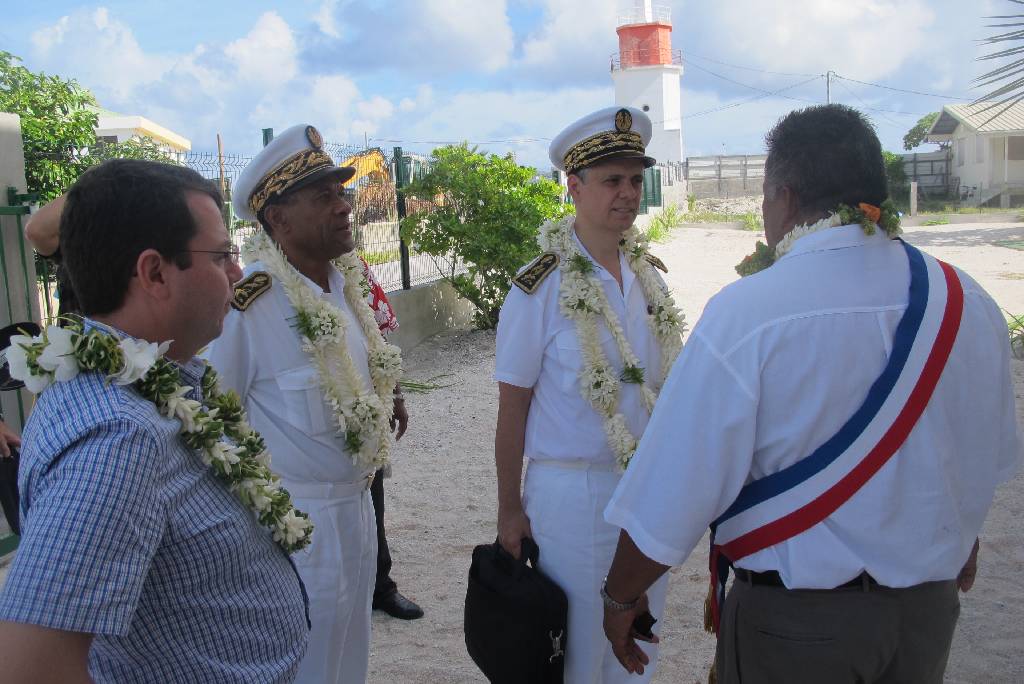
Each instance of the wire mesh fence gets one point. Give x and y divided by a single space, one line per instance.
375 218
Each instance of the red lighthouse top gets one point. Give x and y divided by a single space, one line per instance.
645 37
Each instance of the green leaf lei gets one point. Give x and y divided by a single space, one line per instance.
764 256
234 451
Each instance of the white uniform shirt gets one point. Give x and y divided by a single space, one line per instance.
538 347
259 356
778 363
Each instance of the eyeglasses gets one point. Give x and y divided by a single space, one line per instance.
224 256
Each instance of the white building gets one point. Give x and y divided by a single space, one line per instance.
987 142
646 72
112 127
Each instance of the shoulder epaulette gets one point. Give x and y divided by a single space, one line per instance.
248 289
533 275
656 262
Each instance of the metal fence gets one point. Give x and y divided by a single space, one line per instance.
375 213
724 176
931 170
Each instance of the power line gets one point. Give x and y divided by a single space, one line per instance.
758 97
904 90
865 104
754 88
745 68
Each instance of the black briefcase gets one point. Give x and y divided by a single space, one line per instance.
515 617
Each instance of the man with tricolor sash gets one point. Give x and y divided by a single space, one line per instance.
841 419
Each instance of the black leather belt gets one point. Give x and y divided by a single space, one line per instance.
772 579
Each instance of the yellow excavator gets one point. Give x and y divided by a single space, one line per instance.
372 183
370 164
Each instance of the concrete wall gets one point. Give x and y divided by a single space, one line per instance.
19 297
426 310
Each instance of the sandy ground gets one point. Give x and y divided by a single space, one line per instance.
441 501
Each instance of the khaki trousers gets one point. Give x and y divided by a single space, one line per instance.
870 635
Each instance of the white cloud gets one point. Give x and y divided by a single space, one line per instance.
525 119
325 20
443 37
572 30
868 38
268 54
99 49
424 98
480 31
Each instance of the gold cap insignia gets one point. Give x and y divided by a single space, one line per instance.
623 121
316 141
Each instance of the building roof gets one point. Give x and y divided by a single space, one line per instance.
109 121
982 117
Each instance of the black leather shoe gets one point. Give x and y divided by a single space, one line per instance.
397 606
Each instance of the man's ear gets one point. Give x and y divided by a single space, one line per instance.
791 201
151 273
277 218
573 183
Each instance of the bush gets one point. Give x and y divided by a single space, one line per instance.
1015 326
691 202
486 212
663 223
751 221
897 175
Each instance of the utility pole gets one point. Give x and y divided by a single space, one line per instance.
828 86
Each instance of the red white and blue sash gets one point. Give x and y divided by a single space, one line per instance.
784 504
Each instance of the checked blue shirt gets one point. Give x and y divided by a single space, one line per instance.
128 536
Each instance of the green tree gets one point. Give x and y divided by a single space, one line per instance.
58 128
487 212
56 125
896 174
915 136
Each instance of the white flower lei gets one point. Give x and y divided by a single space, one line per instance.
225 442
362 414
582 299
786 243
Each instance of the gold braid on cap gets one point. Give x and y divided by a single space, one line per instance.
287 174
604 144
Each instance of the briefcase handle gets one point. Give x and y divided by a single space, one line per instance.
529 552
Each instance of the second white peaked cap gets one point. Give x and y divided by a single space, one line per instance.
605 134
290 161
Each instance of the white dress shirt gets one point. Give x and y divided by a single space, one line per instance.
538 347
259 355
778 362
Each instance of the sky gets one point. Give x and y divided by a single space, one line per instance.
506 75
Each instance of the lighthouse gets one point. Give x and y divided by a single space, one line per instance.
646 72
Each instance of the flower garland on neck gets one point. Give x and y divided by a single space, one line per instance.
868 216
362 414
234 451
582 299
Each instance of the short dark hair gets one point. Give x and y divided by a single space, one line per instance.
828 155
117 210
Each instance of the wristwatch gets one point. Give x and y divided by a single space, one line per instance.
609 602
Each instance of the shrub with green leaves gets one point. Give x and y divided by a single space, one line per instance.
1015 326
663 223
487 212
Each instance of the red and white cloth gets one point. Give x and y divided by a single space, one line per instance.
378 301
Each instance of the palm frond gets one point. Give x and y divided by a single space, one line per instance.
1007 80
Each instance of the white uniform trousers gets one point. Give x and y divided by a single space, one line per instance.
565 503
338 569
